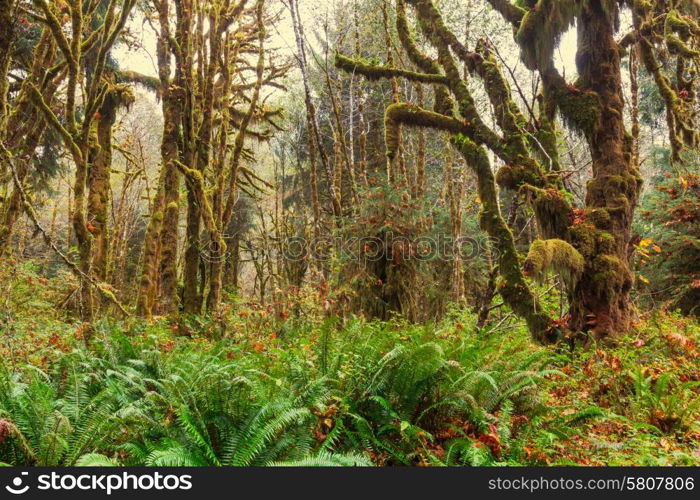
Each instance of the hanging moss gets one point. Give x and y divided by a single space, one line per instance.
580 109
552 209
540 31
117 96
149 82
556 256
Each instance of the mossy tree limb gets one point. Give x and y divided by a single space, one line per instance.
512 287
375 72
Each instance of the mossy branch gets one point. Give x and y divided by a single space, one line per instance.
513 287
579 108
444 103
57 32
196 181
679 119
510 12
51 117
376 72
541 28
149 82
413 116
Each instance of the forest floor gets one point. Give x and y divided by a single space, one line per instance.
382 393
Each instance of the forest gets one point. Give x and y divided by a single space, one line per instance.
349 232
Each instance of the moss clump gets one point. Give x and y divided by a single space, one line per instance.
584 238
599 217
611 189
552 209
606 242
514 176
580 109
557 256
591 241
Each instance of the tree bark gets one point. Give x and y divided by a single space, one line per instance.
601 302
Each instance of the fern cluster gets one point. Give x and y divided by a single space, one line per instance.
367 393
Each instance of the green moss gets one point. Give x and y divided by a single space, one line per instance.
610 189
540 30
599 217
605 242
415 116
376 72
557 256
580 110
552 209
583 237
611 276
676 46
512 177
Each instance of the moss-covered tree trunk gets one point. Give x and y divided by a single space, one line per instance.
193 149
171 209
100 191
23 128
158 288
7 39
10 210
600 302
173 104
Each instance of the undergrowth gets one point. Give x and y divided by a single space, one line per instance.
259 392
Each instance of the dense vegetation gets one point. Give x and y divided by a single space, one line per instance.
373 232
262 391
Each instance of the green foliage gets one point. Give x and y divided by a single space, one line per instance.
668 256
142 399
358 393
397 258
667 404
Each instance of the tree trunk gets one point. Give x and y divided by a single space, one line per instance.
160 253
7 38
600 302
171 203
99 196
